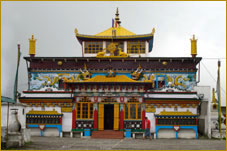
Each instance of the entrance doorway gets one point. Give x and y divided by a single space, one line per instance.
108 116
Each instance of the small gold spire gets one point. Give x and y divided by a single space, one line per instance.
213 97
32 46
76 31
85 66
193 46
117 19
153 31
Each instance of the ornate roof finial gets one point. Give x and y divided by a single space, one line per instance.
117 19
32 46
193 46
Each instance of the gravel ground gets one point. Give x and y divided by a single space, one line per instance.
56 143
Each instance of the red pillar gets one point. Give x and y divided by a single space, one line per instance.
74 118
143 119
122 119
95 119
60 120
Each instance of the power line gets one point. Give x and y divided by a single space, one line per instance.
212 76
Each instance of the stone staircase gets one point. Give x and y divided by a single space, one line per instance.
108 134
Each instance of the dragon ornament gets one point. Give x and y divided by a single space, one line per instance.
136 74
180 78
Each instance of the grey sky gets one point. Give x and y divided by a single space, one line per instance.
53 24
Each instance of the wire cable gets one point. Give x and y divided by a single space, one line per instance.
212 76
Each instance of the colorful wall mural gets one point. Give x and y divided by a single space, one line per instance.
183 81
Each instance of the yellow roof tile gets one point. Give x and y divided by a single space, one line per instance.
120 31
44 112
118 78
176 113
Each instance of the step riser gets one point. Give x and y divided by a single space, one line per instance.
108 134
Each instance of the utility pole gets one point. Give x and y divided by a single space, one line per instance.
219 97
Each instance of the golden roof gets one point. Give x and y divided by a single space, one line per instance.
176 113
120 31
118 78
44 112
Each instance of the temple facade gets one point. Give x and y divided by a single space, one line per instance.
113 86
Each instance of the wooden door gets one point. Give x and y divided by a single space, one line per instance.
101 117
116 116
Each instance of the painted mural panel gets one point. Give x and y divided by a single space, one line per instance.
182 81
44 80
39 81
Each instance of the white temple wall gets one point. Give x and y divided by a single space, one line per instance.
191 109
205 113
151 117
166 133
35 131
158 110
186 133
67 122
47 95
49 131
21 113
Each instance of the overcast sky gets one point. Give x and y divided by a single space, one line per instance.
53 24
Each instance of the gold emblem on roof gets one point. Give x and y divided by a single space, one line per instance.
111 48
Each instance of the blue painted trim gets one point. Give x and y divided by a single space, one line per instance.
157 76
59 127
33 126
151 44
195 128
104 74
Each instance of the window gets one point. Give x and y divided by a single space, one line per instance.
136 47
133 111
60 84
84 110
93 47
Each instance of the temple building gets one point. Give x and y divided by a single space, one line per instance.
112 88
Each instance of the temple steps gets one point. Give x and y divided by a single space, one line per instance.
108 134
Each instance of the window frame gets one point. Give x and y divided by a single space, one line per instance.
129 111
88 110
136 44
94 49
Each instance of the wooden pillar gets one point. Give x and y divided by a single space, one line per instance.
60 120
143 119
95 118
122 119
74 118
